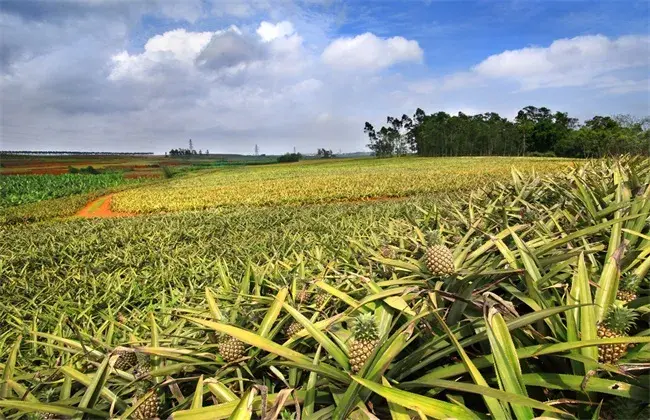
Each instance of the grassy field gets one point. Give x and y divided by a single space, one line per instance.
479 298
322 181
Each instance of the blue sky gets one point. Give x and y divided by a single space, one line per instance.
148 75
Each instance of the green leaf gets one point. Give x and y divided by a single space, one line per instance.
272 313
268 345
85 380
197 400
212 304
397 412
94 389
582 384
429 406
506 362
9 367
30 407
514 399
331 347
244 410
494 406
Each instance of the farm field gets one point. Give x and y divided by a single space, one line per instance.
487 291
325 181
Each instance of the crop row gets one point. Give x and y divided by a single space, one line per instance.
23 189
318 182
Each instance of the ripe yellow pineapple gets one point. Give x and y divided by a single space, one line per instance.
364 340
627 290
126 360
617 323
230 348
150 408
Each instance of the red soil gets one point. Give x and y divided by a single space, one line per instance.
101 208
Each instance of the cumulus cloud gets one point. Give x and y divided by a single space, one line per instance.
268 31
369 52
576 61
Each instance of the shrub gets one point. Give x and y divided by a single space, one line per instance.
167 172
289 157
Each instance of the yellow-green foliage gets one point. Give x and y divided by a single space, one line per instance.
317 182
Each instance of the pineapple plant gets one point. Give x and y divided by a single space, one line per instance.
230 348
126 360
149 408
365 338
628 288
617 323
439 259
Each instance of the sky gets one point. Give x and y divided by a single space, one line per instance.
148 75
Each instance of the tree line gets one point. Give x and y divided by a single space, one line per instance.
534 131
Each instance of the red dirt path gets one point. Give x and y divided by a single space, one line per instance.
101 207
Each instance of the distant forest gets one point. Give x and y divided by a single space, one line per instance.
534 132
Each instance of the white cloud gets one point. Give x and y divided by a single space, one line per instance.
576 61
268 31
178 47
369 52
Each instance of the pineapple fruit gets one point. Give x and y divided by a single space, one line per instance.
293 328
365 339
617 323
126 360
439 259
230 348
628 288
143 365
149 408
319 298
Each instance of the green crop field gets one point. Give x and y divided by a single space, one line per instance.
24 189
494 288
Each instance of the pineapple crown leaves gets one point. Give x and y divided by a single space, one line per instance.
365 327
434 237
620 319
630 282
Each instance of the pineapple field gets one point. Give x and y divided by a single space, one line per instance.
497 288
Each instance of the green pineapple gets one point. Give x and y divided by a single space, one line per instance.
143 365
149 408
320 297
364 340
126 360
230 348
293 328
439 259
617 323
627 290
